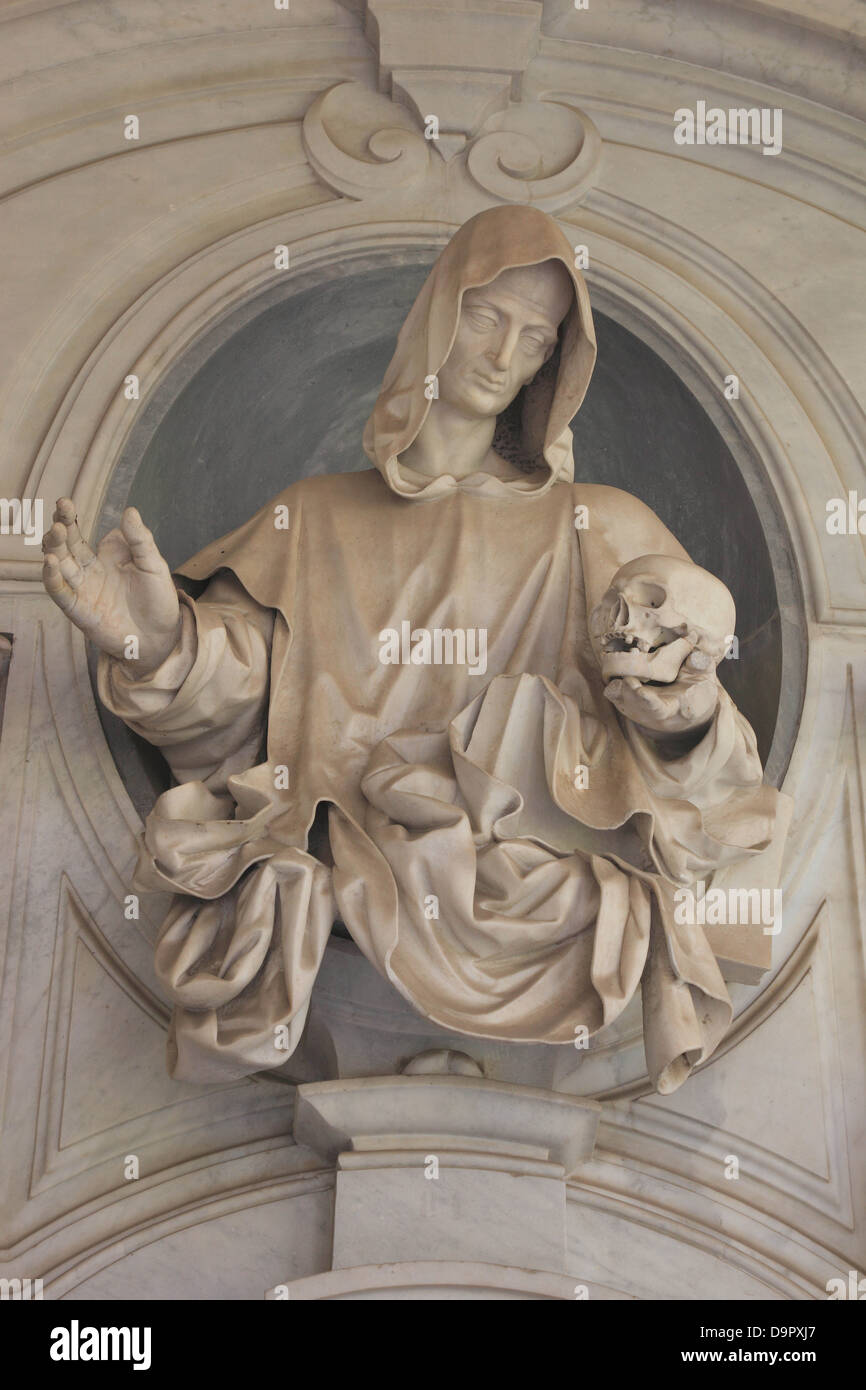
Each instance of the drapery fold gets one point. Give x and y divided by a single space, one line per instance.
505 848
501 894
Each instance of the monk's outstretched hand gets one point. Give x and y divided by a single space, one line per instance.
121 596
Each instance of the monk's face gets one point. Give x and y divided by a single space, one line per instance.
507 330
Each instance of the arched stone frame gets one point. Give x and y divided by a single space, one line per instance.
656 305
620 291
794 393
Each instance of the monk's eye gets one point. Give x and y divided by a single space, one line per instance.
533 342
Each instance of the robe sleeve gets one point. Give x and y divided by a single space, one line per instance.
205 707
723 761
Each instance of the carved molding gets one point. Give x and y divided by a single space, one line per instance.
638 286
363 145
460 61
68 1121
5 660
202 291
440 1279
336 195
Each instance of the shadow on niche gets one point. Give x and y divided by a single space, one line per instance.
287 393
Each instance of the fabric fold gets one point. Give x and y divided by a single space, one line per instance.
502 846
241 945
540 927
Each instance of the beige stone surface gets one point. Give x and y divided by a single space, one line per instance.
117 257
494 829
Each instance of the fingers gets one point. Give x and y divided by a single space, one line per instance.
699 701
645 706
139 538
639 702
650 697
54 541
132 540
619 695
66 554
57 585
55 547
674 709
66 515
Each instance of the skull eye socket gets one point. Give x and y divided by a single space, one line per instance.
646 593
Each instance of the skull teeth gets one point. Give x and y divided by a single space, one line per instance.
625 641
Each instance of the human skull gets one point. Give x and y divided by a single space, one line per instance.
657 613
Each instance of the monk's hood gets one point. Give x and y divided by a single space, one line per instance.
534 432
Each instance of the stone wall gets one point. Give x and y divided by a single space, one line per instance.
148 258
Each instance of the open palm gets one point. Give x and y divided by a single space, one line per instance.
122 591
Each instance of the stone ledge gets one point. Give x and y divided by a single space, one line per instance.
440 1279
379 1113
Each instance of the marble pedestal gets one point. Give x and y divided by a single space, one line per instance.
442 1180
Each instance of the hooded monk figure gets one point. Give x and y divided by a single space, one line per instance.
410 646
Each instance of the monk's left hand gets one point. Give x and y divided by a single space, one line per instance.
685 707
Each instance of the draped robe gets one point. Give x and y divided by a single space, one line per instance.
503 893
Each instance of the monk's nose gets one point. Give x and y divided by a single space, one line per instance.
503 354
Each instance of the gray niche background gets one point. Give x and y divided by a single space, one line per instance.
282 388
